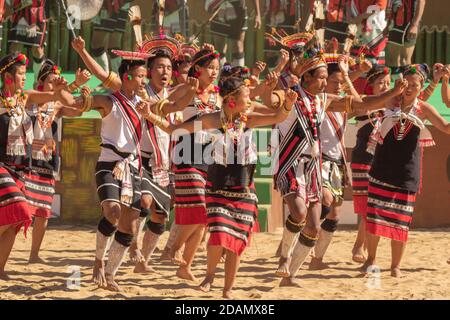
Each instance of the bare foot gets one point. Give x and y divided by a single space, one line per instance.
397 273
165 255
227 294
98 274
206 284
4 276
36 259
364 268
177 258
185 273
289 282
111 285
142 267
317 264
283 268
136 256
358 255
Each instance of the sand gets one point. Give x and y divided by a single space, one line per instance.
72 248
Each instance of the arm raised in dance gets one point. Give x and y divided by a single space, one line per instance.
431 114
59 93
109 80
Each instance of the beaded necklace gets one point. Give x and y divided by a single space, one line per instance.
14 105
234 128
311 115
45 118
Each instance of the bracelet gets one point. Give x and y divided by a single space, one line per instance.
286 111
112 76
87 103
73 87
348 104
160 105
280 101
432 85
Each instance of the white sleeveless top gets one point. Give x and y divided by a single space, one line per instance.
116 132
328 137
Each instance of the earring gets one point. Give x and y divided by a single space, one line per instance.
40 87
231 104
8 81
196 74
130 77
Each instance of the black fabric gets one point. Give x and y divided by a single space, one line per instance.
144 213
330 225
359 153
161 195
97 52
124 239
232 175
295 228
106 228
325 211
156 228
397 162
306 241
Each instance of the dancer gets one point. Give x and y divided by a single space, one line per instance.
298 176
191 167
155 146
15 139
40 181
395 174
231 200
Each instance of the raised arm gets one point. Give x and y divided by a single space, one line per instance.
439 71
435 118
350 105
284 59
59 93
110 80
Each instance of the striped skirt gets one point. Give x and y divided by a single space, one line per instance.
109 189
389 210
39 190
160 195
190 185
231 216
360 184
14 208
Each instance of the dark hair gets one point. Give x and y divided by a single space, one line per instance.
230 85
7 60
375 72
127 65
229 71
202 58
46 69
333 68
421 69
185 58
160 53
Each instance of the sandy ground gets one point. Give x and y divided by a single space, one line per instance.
68 248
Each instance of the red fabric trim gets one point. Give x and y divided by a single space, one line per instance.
190 215
227 241
16 213
360 205
392 195
387 232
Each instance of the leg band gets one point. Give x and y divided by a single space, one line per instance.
124 239
330 225
307 240
156 228
144 213
106 228
325 211
294 226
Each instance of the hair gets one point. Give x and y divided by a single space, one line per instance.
229 71
375 73
202 58
7 60
160 53
127 65
185 58
229 85
421 69
46 69
333 68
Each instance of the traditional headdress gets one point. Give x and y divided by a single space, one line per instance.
11 59
421 69
186 48
377 71
304 46
132 55
47 68
151 44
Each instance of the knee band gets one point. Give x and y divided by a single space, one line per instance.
144 213
325 211
124 239
106 228
330 225
156 228
307 240
293 226
97 52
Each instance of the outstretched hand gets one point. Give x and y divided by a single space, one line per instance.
291 98
81 77
400 86
78 44
271 80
